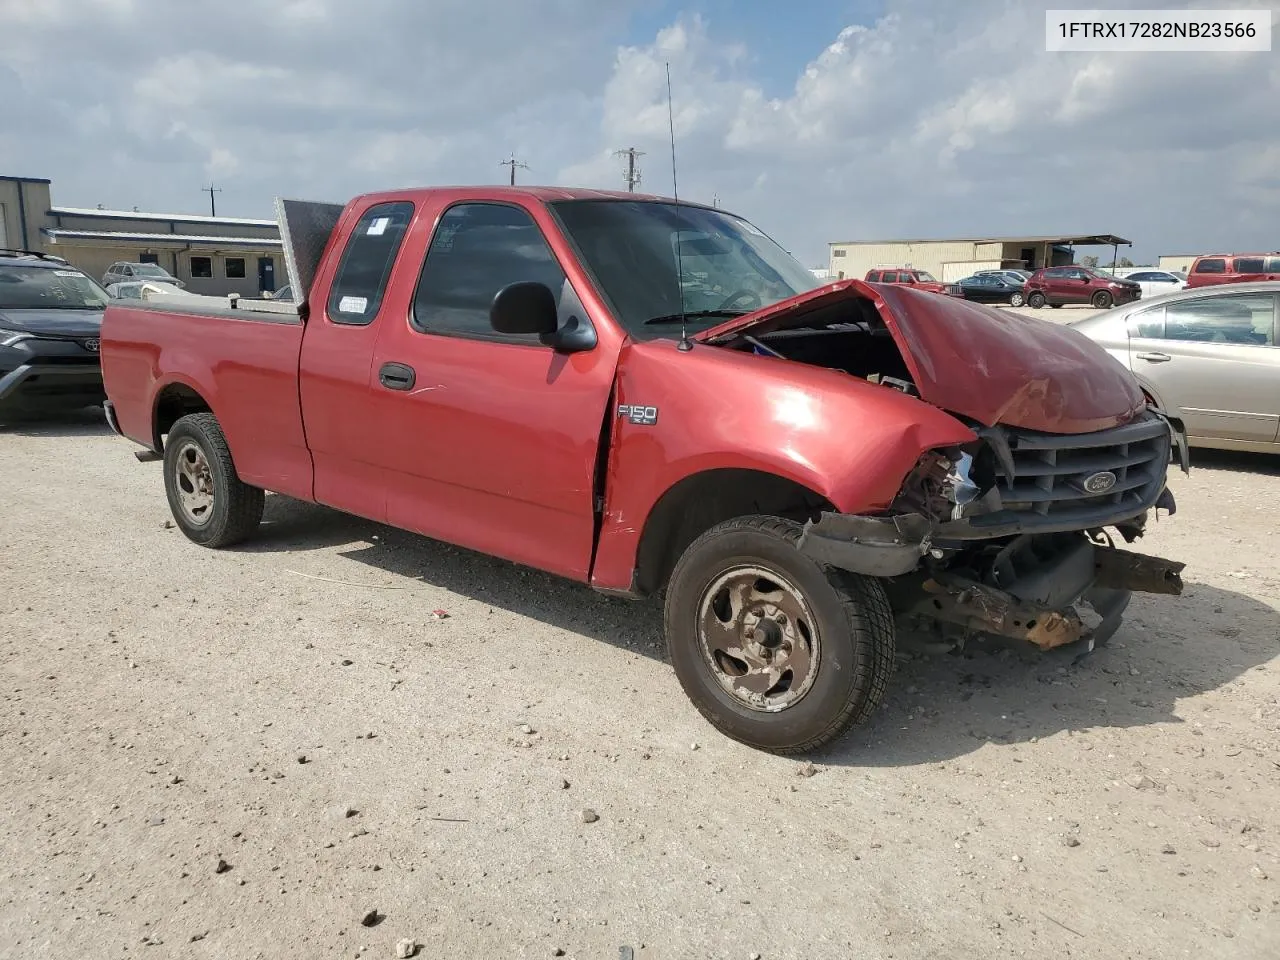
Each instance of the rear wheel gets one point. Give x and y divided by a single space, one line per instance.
1036 300
209 501
775 650
1102 300
1016 300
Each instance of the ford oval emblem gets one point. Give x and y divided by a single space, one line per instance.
1099 482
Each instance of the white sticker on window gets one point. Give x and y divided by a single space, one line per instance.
65 273
352 304
378 227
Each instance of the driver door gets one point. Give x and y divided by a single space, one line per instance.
488 440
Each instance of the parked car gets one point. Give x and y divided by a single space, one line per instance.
1015 276
1206 357
1218 268
1155 282
142 289
1058 286
989 288
920 279
797 465
123 270
50 325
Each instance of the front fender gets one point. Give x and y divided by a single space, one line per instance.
846 440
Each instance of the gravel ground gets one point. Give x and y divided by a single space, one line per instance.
245 753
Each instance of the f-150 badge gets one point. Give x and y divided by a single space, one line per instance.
638 414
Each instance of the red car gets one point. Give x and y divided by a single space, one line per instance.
919 279
529 373
1058 286
1233 268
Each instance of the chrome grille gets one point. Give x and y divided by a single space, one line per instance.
1047 487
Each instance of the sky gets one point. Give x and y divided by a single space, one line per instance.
819 120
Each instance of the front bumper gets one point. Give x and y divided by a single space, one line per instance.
1047 589
38 386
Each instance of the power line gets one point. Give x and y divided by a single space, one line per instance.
632 175
211 190
513 163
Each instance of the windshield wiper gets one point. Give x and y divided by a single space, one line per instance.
695 315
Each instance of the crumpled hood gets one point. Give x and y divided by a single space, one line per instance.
54 323
994 366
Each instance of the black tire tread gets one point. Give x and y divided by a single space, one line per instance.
865 605
245 504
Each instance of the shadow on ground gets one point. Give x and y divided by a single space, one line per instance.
1235 461
87 422
939 706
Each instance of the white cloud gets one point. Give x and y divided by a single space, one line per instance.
937 119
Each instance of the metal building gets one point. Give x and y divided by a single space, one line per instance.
950 260
212 255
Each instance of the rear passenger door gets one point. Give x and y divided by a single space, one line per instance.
1215 359
335 378
493 442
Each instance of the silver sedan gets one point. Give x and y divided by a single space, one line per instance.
1206 356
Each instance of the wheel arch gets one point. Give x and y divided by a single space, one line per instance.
697 502
174 400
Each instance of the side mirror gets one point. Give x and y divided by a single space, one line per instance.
530 307
525 307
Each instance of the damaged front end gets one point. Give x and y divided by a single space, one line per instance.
1006 536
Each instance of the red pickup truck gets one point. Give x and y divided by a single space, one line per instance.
644 395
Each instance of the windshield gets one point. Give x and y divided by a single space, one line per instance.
148 270
632 248
39 288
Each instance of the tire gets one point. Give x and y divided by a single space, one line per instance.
1102 300
209 501
1056 306
1036 301
836 629
1016 300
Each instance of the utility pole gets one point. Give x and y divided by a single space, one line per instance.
513 163
632 176
715 200
211 190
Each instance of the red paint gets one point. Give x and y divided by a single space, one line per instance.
497 446
995 366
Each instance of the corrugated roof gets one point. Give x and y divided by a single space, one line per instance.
57 233
165 217
1083 239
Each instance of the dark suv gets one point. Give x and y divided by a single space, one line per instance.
50 322
1057 286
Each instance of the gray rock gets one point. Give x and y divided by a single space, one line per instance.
589 815
222 866
372 918
1070 841
406 947
1257 872
342 811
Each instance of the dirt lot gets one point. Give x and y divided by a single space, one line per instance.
159 702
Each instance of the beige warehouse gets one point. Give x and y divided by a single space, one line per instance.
951 260
211 255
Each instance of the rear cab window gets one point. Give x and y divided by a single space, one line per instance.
361 280
1211 265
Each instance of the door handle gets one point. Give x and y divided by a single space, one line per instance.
397 376
1155 357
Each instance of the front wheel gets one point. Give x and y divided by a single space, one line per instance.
1036 301
1102 300
1016 300
775 650
209 501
